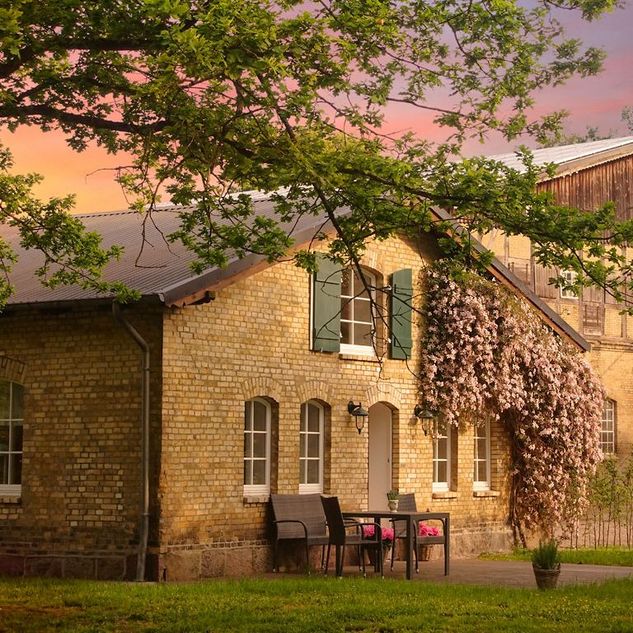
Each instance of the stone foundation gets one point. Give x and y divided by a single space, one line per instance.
60 566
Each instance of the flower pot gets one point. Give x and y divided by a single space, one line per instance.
371 554
393 504
546 578
425 553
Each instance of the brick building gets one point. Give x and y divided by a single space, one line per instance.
251 369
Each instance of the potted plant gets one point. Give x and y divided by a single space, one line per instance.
392 500
387 537
546 564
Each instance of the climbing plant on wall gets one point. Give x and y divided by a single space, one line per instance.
487 355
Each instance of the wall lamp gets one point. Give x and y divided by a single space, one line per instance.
359 414
426 417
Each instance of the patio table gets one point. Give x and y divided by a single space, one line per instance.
411 518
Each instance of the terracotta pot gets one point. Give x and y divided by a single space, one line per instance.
546 578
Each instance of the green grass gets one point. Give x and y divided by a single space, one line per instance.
600 556
302 605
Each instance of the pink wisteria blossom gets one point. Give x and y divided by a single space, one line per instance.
486 355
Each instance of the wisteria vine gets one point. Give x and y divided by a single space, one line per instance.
487 355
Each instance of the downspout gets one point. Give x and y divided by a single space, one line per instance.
144 532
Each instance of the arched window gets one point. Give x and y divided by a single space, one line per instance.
481 457
257 443
311 433
441 456
607 431
357 323
11 421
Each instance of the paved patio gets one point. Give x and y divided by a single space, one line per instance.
499 573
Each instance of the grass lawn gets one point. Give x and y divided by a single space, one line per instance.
309 604
600 556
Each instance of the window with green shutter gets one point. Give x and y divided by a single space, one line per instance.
401 298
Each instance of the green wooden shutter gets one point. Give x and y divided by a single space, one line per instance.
326 306
401 298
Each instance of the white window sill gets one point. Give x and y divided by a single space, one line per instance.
482 494
444 494
358 357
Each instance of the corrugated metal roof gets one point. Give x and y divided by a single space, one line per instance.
567 153
149 263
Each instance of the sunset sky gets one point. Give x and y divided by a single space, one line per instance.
597 101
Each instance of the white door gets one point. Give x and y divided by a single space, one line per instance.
379 456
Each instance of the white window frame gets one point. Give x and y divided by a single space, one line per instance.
253 490
478 484
306 488
12 490
441 486
348 348
570 277
607 427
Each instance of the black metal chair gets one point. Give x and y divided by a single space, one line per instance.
299 518
406 503
343 533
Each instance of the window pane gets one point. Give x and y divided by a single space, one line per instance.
17 402
16 469
362 334
481 448
259 472
313 446
248 470
259 416
16 437
313 472
248 445
302 472
362 311
346 332
481 471
346 309
4 437
4 469
259 444
442 445
314 414
4 399
441 472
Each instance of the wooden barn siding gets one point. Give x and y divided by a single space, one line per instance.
592 187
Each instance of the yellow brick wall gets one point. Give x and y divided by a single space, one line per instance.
253 340
79 508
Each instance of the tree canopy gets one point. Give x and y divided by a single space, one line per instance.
214 97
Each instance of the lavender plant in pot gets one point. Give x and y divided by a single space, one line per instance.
546 564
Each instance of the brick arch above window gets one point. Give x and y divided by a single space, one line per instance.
314 390
260 386
12 369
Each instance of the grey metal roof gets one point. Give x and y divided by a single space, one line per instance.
566 155
149 263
